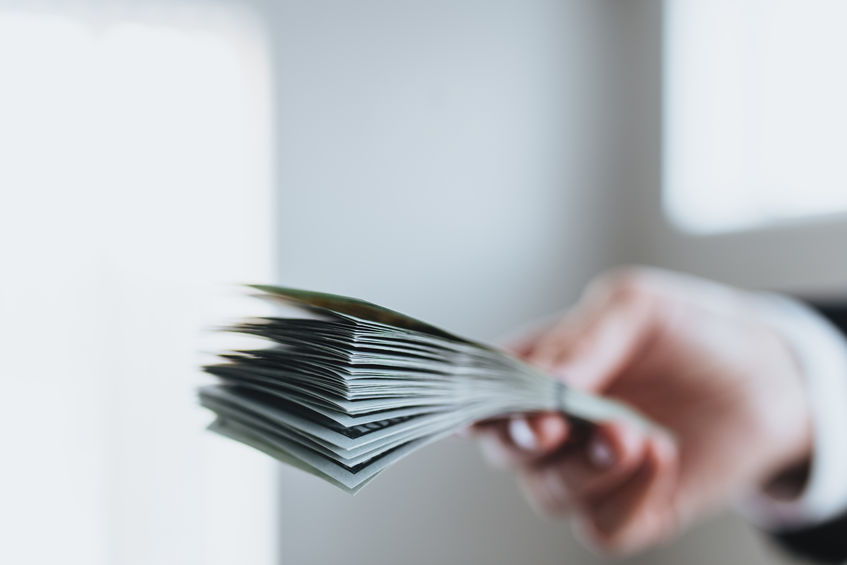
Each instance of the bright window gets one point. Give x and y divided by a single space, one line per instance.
755 113
134 190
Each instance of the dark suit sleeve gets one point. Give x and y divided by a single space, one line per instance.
826 543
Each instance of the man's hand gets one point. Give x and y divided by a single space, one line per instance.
697 358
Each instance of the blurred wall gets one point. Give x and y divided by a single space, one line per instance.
804 258
473 163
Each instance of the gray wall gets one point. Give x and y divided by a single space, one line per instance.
473 163
447 159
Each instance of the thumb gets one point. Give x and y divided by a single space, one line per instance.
591 350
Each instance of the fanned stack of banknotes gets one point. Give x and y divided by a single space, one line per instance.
345 388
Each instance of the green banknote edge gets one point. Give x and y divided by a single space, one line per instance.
358 309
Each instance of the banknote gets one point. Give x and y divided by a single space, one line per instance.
344 388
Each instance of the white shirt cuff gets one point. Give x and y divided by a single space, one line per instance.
821 351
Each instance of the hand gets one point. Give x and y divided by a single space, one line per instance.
697 358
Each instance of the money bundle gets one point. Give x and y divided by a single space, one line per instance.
345 388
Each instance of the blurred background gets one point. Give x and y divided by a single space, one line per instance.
470 162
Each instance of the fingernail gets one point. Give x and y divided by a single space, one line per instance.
577 372
607 514
522 434
493 452
600 453
555 487
546 365
665 443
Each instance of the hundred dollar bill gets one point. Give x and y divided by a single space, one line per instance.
344 388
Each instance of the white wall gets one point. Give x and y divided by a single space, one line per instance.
134 189
804 257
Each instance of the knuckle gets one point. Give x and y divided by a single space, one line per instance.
669 525
550 347
626 285
609 542
634 534
538 494
545 352
582 345
586 531
496 451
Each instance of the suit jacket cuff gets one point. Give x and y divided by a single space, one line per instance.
821 351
